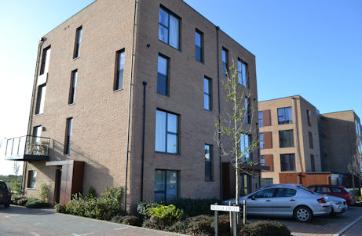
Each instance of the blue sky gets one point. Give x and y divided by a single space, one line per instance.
306 47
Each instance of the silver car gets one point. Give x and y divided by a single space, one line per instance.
287 200
339 205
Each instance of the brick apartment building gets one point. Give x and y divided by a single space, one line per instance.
131 98
289 137
341 144
299 145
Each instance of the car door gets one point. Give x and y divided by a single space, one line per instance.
260 203
284 201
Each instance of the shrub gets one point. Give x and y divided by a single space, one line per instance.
165 215
262 228
76 206
178 227
92 193
224 224
19 200
127 220
36 203
195 207
142 208
108 205
60 208
200 225
153 223
44 192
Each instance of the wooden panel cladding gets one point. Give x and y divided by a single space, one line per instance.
267 118
268 140
71 179
305 179
269 162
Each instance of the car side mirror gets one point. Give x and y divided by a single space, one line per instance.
253 197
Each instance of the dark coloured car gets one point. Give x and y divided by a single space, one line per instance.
333 190
5 194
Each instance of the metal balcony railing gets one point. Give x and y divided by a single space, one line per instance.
27 148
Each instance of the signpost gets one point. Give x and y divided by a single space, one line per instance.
232 209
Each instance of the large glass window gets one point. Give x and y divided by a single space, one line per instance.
247 110
73 86
261 140
286 138
309 117
207 94
77 42
287 162
119 72
225 60
260 119
244 146
68 136
312 162
166 185
311 143
166 132
169 28
208 155
199 46
40 99
162 75
45 61
31 183
285 115
242 73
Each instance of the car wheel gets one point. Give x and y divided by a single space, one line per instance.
6 205
303 214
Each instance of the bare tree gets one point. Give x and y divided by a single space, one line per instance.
354 168
234 128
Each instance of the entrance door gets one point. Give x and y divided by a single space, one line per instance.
58 178
226 190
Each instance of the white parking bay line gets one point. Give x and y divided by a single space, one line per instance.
348 227
34 234
86 234
121 228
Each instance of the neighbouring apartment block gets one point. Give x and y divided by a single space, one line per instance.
341 146
288 137
127 93
299 145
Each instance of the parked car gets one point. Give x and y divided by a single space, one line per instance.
339 205
286 200
333 190
5 194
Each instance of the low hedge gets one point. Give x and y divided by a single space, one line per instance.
127 220
36 203
105 207
261 228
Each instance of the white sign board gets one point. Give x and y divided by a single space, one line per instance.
225 208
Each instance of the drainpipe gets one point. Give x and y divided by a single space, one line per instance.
219 106
298 139
30 119
130 107
143 137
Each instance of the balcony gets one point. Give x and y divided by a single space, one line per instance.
27 148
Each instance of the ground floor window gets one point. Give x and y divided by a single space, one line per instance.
166 185
245 184
287 162
266 182
31 179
